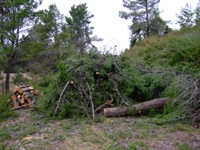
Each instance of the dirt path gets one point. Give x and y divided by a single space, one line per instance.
35 132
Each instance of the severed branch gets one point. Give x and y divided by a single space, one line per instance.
108 103
61 97
93 113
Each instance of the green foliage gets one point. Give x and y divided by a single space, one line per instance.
152 112
5 108
117 79
179 49
78 26
186 17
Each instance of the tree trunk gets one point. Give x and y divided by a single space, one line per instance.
7 79
135 109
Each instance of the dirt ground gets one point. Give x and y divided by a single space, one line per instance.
32 131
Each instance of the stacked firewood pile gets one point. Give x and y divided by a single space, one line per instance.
24 96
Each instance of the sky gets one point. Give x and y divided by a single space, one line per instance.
107 23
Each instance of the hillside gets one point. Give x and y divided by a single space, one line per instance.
178 49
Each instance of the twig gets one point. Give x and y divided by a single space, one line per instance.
61 97
184 92
93 113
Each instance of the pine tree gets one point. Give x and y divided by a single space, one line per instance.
79 28
185 18
145 18
52 20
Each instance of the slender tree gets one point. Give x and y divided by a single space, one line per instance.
145 18
186 16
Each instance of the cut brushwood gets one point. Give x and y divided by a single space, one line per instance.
135 109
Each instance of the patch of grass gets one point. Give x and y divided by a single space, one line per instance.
87 139
138 145
5 136
2 146
183 146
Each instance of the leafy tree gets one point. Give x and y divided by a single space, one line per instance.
145 18
15 16
185 18
78 26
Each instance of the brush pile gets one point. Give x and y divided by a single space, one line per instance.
24 96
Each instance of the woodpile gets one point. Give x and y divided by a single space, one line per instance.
24 96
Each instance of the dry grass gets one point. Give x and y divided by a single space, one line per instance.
89 139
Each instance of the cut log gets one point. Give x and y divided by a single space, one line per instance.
14 97
20 91
26 93
15 90
31 91
19 107
16 104
26 98
27 89
135 109
29 100
36 92
22 101
31 104
18 96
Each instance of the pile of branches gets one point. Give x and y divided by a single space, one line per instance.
87 84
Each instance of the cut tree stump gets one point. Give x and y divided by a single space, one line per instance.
135 109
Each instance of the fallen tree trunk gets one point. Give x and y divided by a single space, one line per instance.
135 109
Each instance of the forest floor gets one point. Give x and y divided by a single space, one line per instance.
35 132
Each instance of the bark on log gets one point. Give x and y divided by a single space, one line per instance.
27 89
135 109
